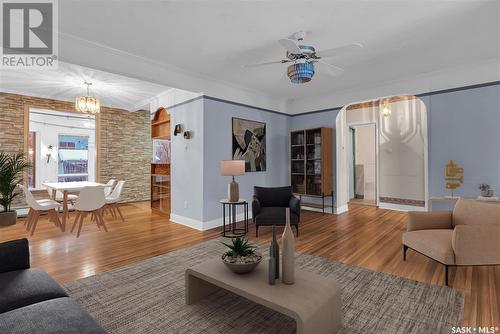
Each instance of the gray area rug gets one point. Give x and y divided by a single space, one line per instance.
148 297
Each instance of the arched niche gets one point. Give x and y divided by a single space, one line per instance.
401 144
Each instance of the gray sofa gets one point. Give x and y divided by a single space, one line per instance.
32 302
269 207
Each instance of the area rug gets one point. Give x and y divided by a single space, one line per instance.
148 297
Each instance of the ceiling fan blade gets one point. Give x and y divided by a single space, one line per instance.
339 50
290 45
268 63
330 69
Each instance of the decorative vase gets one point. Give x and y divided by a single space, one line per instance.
288 257
274 250
272 269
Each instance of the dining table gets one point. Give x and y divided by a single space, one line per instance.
69 187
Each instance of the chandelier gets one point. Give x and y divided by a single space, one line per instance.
87 104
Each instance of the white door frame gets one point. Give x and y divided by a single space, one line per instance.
375 122
342 161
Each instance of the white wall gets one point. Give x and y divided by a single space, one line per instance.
365 156
402 151
48 128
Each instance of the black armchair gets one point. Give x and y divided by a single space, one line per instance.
269 207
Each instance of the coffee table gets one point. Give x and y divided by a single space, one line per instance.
313 301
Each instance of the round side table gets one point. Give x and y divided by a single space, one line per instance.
233 230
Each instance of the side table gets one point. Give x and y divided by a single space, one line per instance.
233 230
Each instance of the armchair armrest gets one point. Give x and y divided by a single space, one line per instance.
14 255
418 220
476 244
255 206
295 205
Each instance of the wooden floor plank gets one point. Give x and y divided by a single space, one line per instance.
365 236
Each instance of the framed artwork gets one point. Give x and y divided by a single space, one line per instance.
161 151
249 144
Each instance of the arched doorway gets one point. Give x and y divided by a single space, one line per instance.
401 151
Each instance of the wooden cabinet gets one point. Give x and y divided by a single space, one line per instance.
160 171
311 164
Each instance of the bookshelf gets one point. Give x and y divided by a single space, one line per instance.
311 165
160 170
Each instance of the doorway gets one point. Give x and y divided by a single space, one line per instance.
363 167
401 152
61 147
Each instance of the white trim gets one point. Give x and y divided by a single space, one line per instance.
205 225
400 207
328 209
341 209
189 222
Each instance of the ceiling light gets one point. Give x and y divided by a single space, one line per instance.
87 104
301 72
386 110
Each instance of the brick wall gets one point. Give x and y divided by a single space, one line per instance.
124 150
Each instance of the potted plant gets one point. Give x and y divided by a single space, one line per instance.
241 257
11 168
485 190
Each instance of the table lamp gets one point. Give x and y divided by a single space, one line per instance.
232 168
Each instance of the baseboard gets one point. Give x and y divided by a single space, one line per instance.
206 225
309 208
341 209
186 221
399 207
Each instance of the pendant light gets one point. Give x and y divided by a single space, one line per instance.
87 104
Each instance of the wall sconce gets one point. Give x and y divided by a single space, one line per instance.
177 129
50 148
187 134
386 110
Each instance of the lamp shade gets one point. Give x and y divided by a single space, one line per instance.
232 167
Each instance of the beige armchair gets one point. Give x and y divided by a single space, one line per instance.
468 236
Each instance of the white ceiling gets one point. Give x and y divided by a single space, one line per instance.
214 39
67 82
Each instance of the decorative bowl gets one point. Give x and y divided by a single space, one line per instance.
242 265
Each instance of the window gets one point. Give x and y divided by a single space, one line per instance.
73 158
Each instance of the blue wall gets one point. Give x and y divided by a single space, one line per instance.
218 146
464 126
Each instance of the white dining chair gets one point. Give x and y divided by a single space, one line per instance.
113 199
38 206
90 200
111 184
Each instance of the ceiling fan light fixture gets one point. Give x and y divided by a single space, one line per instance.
301 72
87 104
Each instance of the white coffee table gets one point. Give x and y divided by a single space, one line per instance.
313 301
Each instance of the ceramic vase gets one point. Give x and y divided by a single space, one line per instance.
288 251
274 249
272 269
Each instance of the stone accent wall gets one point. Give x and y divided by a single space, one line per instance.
124 143
126 150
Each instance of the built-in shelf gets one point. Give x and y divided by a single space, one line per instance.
160 172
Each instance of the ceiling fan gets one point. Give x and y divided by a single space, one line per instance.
304 57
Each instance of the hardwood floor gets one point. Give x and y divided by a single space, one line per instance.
364 236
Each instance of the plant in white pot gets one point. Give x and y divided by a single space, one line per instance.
11 168
241 257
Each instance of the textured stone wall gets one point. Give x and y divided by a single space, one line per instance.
124 145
